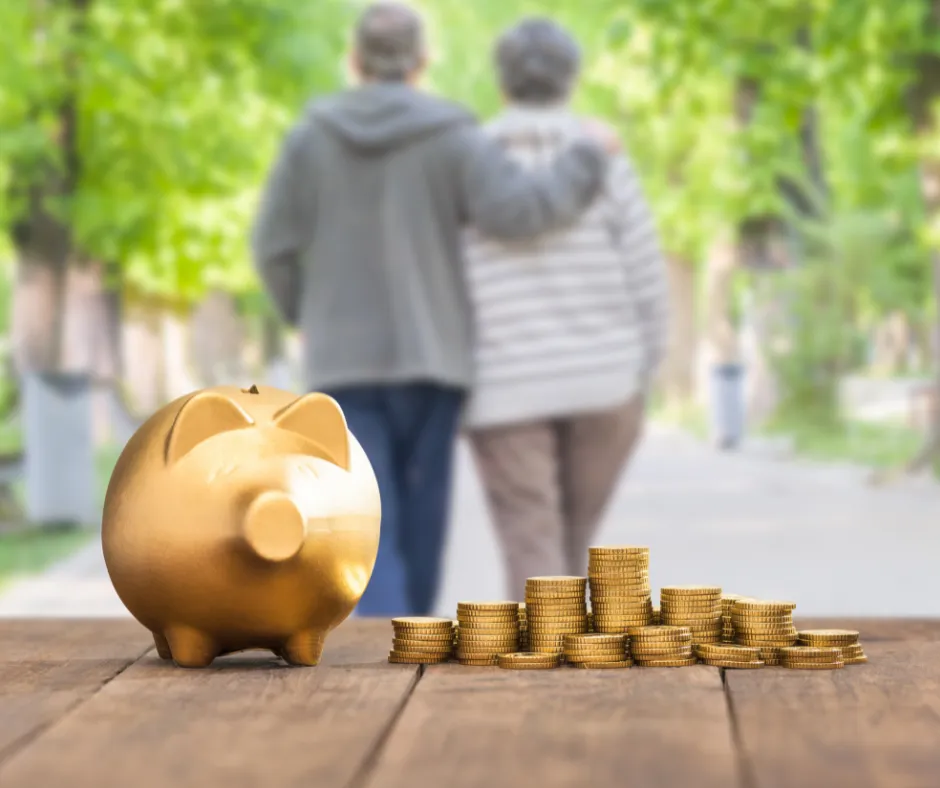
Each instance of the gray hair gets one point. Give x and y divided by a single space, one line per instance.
537 61
389 42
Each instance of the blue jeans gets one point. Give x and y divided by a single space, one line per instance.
408 432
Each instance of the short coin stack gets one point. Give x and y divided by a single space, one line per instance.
486 630
844 639
695 607
422 640
810 658
555 607
662 647
724 655
527 660
597 650
620 588
727 626
767 625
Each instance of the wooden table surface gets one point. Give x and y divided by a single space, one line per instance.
88 703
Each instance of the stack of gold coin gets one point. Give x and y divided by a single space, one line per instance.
724 655
656 619
422 640
767 625
695 607
727 626
620 588
844 639
528 660
594 648
662 647
590 619
555 607
523 629
810 658
486 630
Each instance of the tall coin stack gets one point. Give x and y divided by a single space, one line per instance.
486 630
596 650
662 647
768 625
422 640
555 607
620 588
846 640
727 626
695 607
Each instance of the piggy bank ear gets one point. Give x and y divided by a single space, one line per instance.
203 415
319 419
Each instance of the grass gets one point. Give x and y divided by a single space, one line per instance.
877 446
880 446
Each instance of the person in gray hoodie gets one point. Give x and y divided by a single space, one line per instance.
358 242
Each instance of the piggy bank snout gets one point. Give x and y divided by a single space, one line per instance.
273 526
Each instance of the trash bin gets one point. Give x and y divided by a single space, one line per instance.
728 409
58 441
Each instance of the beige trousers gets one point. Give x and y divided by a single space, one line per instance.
549 483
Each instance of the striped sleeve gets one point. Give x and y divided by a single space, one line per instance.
643 259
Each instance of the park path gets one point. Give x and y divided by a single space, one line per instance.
754 524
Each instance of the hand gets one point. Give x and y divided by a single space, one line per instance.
603 134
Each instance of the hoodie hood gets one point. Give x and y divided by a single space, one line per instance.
381 116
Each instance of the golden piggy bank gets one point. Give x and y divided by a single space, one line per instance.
242 518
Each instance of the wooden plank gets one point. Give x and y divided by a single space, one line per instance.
49 667
247 721
468 727
865 726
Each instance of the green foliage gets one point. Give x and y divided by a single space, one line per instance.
180 107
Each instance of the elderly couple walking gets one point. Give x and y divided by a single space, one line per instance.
503 280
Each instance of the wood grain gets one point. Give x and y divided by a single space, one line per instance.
49 667
247 721
566 728
865 726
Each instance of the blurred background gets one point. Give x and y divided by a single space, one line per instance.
791 153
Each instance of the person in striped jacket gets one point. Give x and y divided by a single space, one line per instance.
570 328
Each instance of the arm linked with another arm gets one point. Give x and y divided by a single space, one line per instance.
504 200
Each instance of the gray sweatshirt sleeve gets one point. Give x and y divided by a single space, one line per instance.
279 230
505 201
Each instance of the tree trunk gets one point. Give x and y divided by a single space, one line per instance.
678 375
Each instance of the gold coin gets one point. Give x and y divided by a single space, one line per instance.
731 663
487 618
662 632
421 645
419 655
480 662
728 652
764 642
574 659
651 651
813 665
529 656
859 660
487 628
428 622
763 604
667 663
488 632
427 637
800 652
501 605
771 631
617 549
829 637
851 651
692 590
595 639
420 660
623 663
528 666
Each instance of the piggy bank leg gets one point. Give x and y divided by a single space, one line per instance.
163 648
191 648
304 648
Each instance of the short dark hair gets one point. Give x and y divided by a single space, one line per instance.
389 42
537 61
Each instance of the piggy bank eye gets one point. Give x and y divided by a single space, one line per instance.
203 415
319 419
